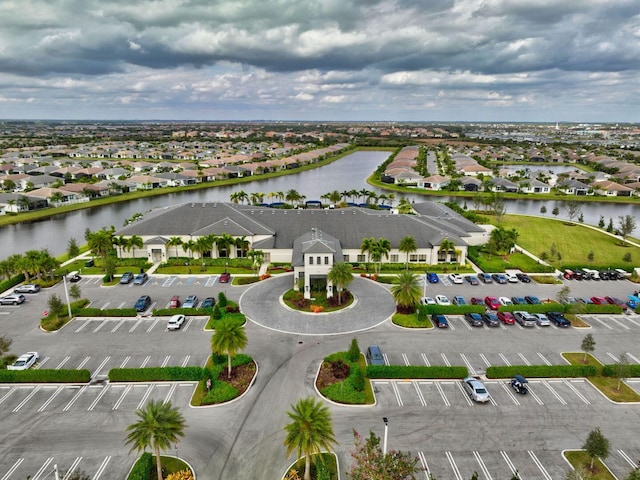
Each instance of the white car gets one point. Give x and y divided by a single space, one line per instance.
456 278
442 300
505 301
24 362
427 301
475 389
175 322
511 277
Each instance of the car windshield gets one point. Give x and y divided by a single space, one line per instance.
20 363
480 390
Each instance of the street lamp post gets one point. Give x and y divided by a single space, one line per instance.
386 431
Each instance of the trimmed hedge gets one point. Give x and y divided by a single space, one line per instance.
539 308
582 309
142 469
168 312
221 391
12 282
631 370
156 374
451 309
107 312
399 371
45 376
543 371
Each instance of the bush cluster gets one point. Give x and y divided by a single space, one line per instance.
156 374
107 312
11 282
542 371
142 469
401 371
539 308
221 391
585 309
451 309
350 390
45 376
631 370
181 475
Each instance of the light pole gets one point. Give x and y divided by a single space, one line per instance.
386 431
66 294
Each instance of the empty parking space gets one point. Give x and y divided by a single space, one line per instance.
40 466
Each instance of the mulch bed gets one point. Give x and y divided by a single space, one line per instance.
326 376
241 376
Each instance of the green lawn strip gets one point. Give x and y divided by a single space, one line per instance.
329 460
546 279
498 263
608 386
576 321
573 242
410 320
580 459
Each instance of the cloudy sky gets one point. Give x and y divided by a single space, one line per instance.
404 60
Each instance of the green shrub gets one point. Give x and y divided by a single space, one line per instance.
451 309
539 308
356 377
400 371
167 312
582 309
108 312
12 282
217 314
156 374
354 350
222 299
45 376
542 371
343 392
631 370
220 392
142 469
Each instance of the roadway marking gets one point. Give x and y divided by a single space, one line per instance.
6 395
121 399
575 390
634 322
83 363
102 468
454 467
63 362
484 359
539 465
75 397
442 394
125 361
55 394
420 396
26 399
524 359
41 363
145 396
79 329
483 467
533 394
542 357
504 359
464 394
121 306
615 320
153 325
602 323
555 394
104 307
406 359
97 399
97 329
386 359
189 320
145 361
210 281
100 367
507 388
613 357
397 393
508 461
446 361
425 359
135 325
73 466
169 281
165 361
425 465
15 467
635 359
186 360
171 392
43 468
627 458
118 325
472 370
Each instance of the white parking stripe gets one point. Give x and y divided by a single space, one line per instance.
170 393
635 359
145 396
153 325
634 322
12 469
26 399
118 325
539 465
97 399
485 360
122 305
186 360
507 389
446 361
79 329
442 394
145 361
406 359
425 359
575 390
464 393
542 357
524 359
135 325
83 363
42 362
509 462
397 393
169 281
472 371
125 361
73 466
386 360
420 396
102 324
55 394
454 467
504 359
165 361
533 394
43 468
555 394
613 357
425 465
8 394
483 467
100 367
122 396
63 362
102 468
75 397
604 324
186 327
615 320
627 458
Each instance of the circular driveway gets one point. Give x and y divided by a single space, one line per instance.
261 305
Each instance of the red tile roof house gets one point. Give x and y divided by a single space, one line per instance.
86 189
612 189
434 182
65 197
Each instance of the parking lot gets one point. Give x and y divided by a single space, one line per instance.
82 426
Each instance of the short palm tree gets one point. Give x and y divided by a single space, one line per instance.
407 291
340 275
230 338
159 426
135 241
407 245
310 430
175 242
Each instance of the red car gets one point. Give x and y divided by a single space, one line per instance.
225 277
476 301
616 301
598 300
506 318
492 303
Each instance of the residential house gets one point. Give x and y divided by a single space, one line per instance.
434 182
612 189
534 186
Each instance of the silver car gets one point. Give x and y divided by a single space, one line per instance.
475 389
542 320
525 318
24 362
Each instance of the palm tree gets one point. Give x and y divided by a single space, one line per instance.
340 275
367 247
380 249
335 197
293 196
160 425
243 244
224 242
407 291
445 246
175 242
229 337
119 242
407 245
101 242
257 258
134 241
310 431
188 246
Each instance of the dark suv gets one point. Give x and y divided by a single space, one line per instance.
143 303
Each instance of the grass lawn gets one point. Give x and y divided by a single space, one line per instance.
329 460
579 459
573 242
169 465
411 321
499 263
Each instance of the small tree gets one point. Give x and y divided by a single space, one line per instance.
590 256
596 445
601 221
588 345
622 369
75 292
627 224
634 474
543 209
563 294
56 307
5 346
555 211
370 463
354 350
610 225
626 257
573 209
72 248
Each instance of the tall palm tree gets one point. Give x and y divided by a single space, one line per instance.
159 426
407 245
257 259
407 291
119 242
380 249
445 246
230 338
224 242
367 246
175 242
135 241
310 431
340 275
293 196
188 246
243 244
101 242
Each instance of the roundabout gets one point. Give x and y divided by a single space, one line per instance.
262 305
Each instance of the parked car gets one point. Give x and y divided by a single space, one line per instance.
485 277
505 301
500 278
506 318
141 279
605 275
542 320
569 301
492 303
225 277
456 278
559 319
174 302
523 277
616 301
74 276
472 280
598 300
432 277
511 277
477 301
585 300
578 275
27 288
593 274
518 300
175 322
12 299
458 300
621 274
475 389
491 319
569 274
126 278
474 319
524 318
143 303
532 300
439 320
25 361
374 355
442 300
633 301
428 301
190 302
208 302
